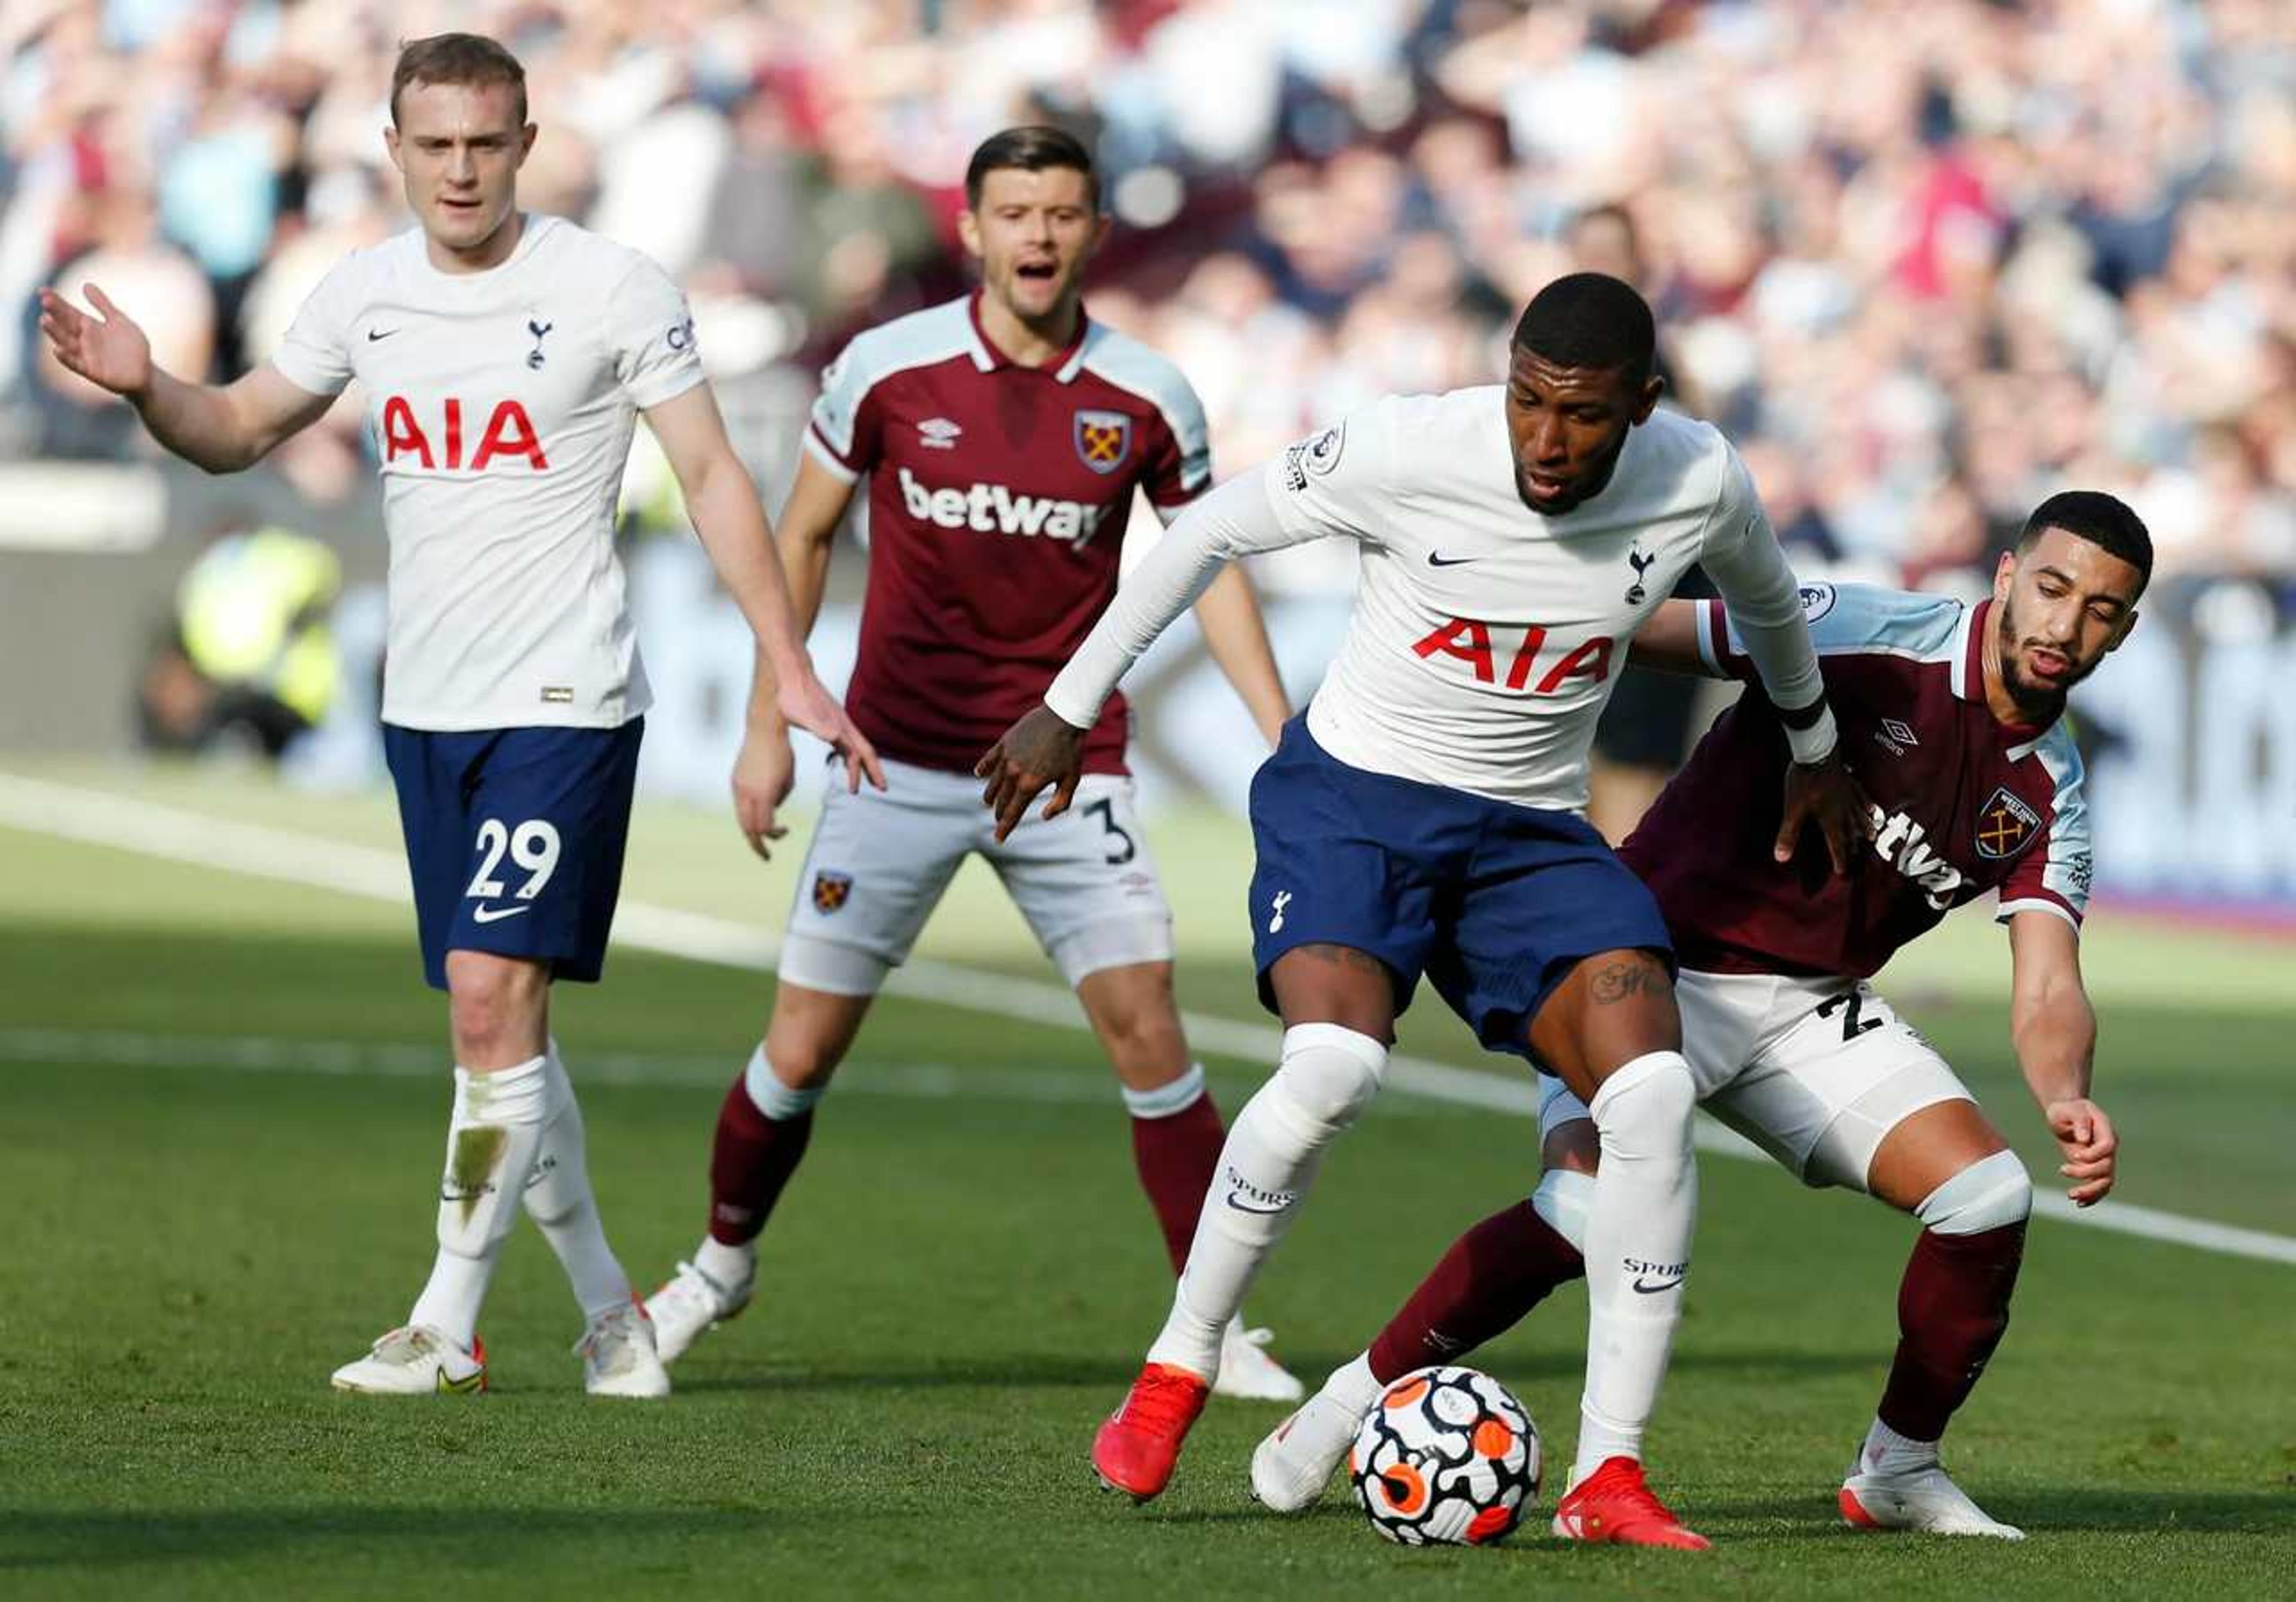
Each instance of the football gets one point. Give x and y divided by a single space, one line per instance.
1447 1457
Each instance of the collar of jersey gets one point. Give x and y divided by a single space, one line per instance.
1064 366
531 229
1968 671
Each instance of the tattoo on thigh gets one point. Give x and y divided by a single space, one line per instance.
1345 956
1623 980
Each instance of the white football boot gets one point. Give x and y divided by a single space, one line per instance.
1923 1498
691 1305
416 1360
618 1355
1246 1371
1291 1467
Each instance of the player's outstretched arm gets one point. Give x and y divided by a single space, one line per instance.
722 500
221 429
2055 1031
1046 746
1236 634
1765 603
765 768
1669 641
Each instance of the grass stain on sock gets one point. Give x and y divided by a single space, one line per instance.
476 1150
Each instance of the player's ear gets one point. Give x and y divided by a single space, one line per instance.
1647 400
967 231
390 144
2004 574
526 142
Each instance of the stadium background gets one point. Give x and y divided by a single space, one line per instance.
1925 262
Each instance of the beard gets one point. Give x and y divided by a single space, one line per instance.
2040 703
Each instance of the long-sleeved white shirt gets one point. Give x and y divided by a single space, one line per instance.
1486 637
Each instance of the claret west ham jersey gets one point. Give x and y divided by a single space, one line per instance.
502 404
997 502
1966 804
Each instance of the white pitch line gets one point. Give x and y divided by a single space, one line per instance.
177 835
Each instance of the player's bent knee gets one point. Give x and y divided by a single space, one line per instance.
1564 1199
1991 1193
1644 1107
1328 1074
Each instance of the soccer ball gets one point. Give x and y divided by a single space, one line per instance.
1448 1457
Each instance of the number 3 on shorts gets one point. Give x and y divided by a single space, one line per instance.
1123 849
533 846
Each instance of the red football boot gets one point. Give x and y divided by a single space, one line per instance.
1134 1450
1615 1504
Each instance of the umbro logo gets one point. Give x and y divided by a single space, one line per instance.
1896 735
937 433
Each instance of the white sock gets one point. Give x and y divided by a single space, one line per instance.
1352 1385
1886 1452
491 1138
1328 1075
560 1200
729 1266
1639 1228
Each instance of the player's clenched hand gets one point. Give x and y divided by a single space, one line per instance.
808 705
763 774
1825 795
2085 1134
110 352
1044 748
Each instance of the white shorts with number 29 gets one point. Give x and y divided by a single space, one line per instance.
1815 1072
880 861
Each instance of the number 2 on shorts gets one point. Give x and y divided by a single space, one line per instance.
533 846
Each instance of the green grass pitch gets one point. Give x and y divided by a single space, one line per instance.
223 1103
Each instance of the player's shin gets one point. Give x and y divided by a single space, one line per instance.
1644 1207
1953 1308
491 1140
1175 1146
1492 1276
559 1199
763 1129
1327 1077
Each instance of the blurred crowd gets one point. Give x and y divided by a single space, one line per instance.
1925 260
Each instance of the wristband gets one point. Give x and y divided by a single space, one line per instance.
1815 744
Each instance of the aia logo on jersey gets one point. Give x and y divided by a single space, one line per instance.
1102 440
1469 640
509 433
2004 823
831 890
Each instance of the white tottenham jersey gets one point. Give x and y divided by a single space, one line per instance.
502 404
1486 637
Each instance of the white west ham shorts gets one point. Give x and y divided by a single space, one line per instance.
1815 1072
881 860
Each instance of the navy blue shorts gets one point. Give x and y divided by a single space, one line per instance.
514 838
1493 902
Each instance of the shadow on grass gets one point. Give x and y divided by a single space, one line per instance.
2040 1511
474 1538
1035 1372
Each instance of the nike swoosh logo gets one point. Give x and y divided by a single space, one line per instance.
1240 1207
1663 1285
495 914
373 334
466 1385
1435 561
